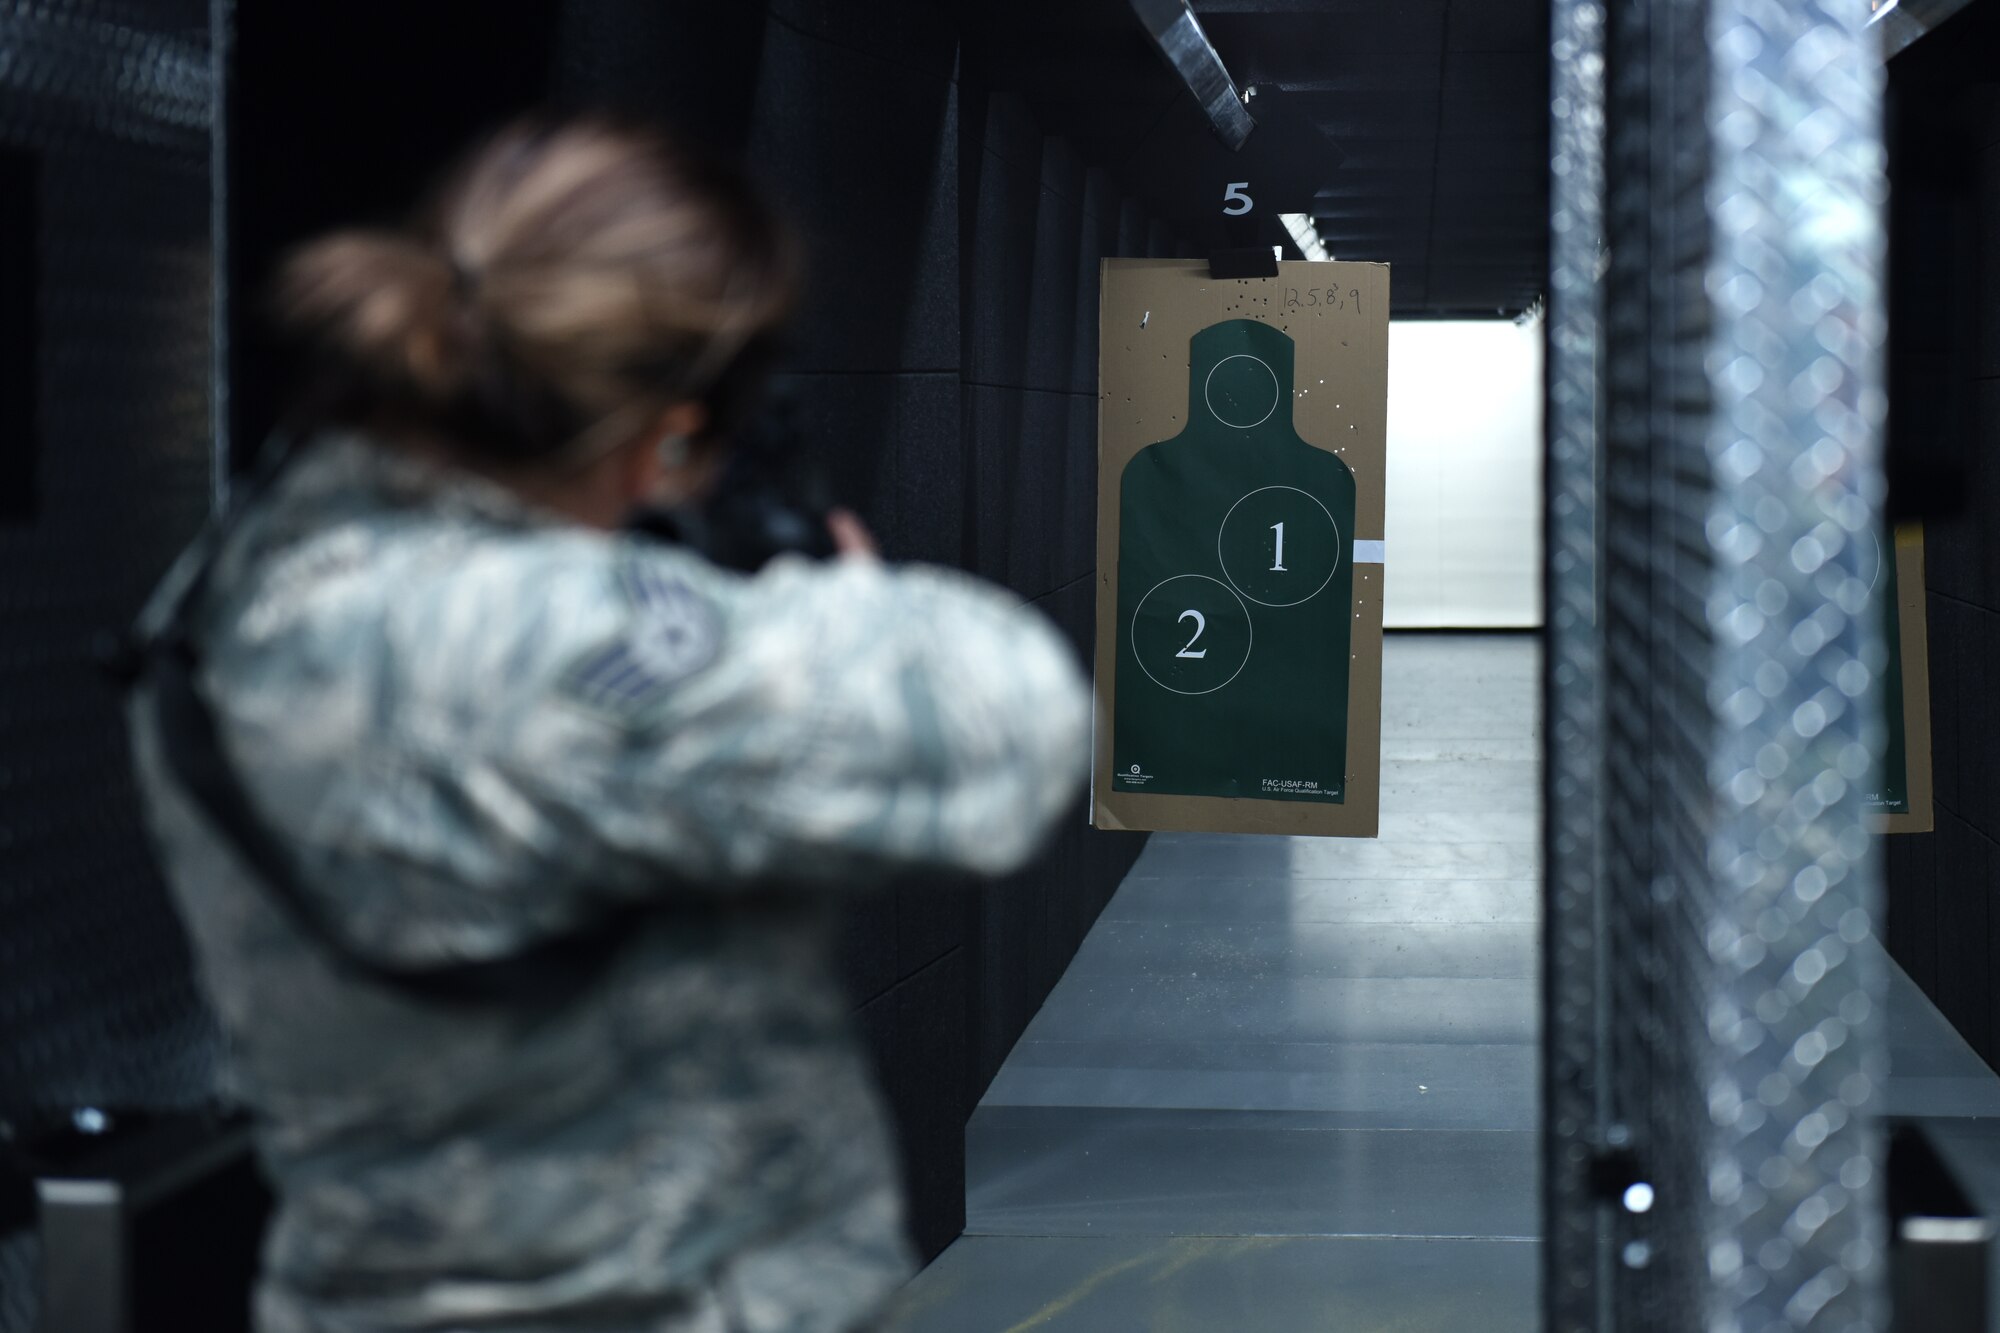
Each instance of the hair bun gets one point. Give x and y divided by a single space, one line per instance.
385 303
568 283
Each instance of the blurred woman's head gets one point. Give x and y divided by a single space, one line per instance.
583 312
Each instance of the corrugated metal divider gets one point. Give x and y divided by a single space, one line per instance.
109 106
1713 1024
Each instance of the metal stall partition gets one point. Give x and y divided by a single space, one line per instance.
107 303
1575 1286
1712 1037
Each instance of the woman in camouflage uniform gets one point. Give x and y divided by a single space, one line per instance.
478 721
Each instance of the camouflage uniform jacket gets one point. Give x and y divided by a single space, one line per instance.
474 727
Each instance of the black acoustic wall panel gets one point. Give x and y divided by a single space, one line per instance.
1037 221
20 334
687 63
341 114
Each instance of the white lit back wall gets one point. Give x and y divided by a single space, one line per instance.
1464 529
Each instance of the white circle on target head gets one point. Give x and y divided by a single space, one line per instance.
1241 425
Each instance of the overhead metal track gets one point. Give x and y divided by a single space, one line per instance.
1177 32
1902 22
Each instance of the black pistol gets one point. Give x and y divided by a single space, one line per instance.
770 499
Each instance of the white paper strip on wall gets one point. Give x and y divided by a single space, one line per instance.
1368 553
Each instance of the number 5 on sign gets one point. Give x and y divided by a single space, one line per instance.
1236 199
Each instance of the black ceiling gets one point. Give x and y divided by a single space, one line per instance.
1415 131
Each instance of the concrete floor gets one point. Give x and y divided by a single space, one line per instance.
1289 1084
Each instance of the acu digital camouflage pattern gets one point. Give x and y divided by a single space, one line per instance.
474 728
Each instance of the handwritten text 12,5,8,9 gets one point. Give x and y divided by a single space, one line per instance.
1332 298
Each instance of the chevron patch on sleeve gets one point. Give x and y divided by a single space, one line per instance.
673 633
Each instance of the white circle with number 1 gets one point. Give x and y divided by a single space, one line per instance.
1191 634
1279 546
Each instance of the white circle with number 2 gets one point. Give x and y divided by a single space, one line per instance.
1201 627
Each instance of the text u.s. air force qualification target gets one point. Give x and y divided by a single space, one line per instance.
1233 613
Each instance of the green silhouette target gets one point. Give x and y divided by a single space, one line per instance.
1235 590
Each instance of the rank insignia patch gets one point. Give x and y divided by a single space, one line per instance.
674 633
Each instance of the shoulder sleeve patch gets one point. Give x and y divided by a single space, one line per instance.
672 633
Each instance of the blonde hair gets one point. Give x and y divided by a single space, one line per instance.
569 281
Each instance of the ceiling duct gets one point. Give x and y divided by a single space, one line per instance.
1175 30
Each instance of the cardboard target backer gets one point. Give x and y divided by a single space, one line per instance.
1900 799
1241 427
